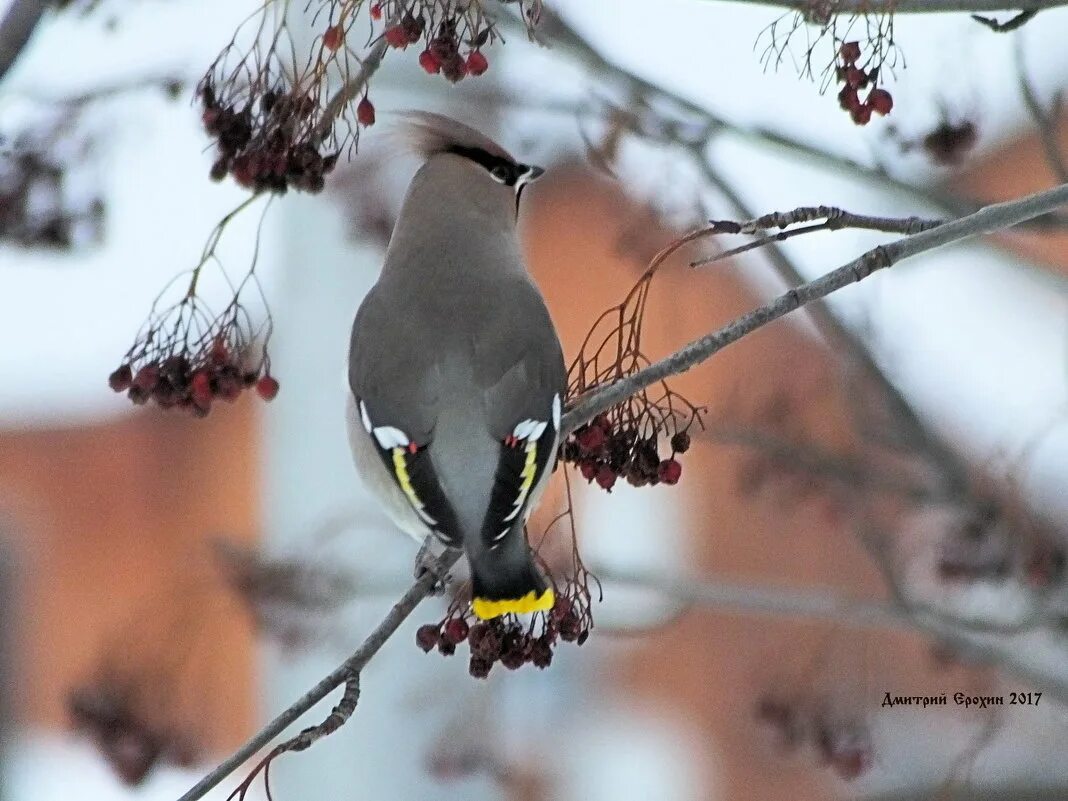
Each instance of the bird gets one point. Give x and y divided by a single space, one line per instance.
456 372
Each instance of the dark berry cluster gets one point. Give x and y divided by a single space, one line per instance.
112 719
855 79
507 639
176 370
844 745
268 142
605 452
453 35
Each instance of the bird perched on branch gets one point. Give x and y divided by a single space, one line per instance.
456 370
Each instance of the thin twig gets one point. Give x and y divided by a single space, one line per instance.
1045 120
834 219
351 666
984 221
352 88
872 7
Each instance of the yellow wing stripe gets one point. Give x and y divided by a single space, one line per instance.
527 476
400 468
531 602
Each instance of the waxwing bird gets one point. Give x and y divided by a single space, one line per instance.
455 368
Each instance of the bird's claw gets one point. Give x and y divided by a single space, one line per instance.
427 562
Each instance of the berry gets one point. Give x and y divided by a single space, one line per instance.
590 439
847 98
541 652
861 114
669 471
477 63
397 37
121 379
430 62
849 52
376 11
680 442
333 37
365 112
880 101
200 389
267 388
456 631
454 69
606 478
856 78
446 648
426 637
147 378
588 468
479 667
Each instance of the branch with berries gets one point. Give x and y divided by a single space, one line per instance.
1027 662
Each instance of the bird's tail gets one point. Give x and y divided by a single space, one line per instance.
508 582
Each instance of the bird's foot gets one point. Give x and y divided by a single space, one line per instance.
426 561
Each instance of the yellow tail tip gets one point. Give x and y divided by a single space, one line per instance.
487 609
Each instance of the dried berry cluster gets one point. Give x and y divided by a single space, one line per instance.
268 140
507 639
854 79
110 716
844 745
605 451
179 364
453 33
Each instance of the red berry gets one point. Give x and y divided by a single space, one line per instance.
590 439
861 114
430 62
477 63
456 630
397 37
847 98
267 388
850 52
147 378
200 389
606 477
669 471
880 101
856 78
376 11
121 379
426 637
365 112
333 37
588 468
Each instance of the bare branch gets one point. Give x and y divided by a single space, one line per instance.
347 671
834 219
1045 119
984 221
16 28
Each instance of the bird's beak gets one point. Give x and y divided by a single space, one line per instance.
534 173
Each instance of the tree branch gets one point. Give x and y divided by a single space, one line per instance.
16 28
985 221
347 672
563 38
813 9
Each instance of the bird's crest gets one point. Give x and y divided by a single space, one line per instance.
428 133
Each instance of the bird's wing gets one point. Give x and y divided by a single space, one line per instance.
522 377
517 386
396 384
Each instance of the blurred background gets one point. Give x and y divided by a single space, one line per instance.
875 504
